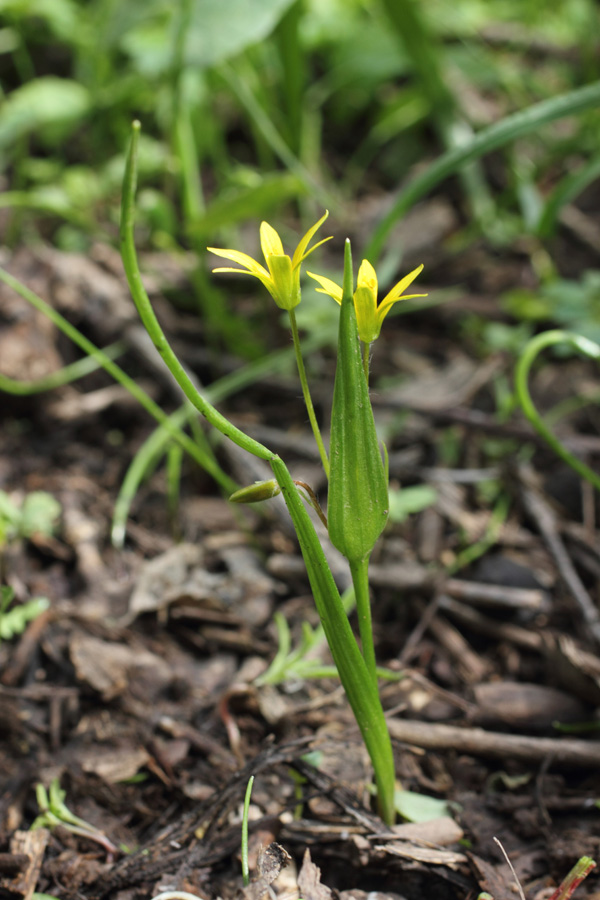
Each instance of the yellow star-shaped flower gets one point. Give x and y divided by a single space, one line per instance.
282 275
369 316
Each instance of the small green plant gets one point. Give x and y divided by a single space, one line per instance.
571 882
357 507
55 812
566 888
298 662
36 514
14 621
244 841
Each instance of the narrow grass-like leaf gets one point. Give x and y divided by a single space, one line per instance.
533 348
497 135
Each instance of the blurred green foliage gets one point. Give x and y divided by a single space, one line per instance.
235 95
248 105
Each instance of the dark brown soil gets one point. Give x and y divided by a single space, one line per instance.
136 688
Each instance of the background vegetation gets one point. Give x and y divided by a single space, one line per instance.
250 107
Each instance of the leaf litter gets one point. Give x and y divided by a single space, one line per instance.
136 688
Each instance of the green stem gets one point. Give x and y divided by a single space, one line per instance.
150 322
366 356
356 679
533 348
150 452
306 393
361 691
360 580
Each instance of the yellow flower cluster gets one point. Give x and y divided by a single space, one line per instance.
281 278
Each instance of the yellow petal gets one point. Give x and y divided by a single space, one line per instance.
396 292
253 267
367 277
265 279
270 241
327 287
301 252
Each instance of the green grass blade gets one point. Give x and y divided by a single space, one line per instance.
497 135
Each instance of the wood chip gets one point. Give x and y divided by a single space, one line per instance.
29 848
107 667
309 881
431 855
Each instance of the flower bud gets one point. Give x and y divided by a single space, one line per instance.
357 506
260 490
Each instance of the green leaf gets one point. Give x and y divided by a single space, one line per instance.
360 689
39 104
216 31
250 201
63 17
220 30
508 129
16 620
39 514
410 500
419 807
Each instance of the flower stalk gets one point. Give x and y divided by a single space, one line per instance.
306 394
281 278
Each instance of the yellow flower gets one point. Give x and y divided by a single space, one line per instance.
282 275
369 316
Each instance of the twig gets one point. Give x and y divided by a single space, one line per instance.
538 507
497 595
471 667
477 742
506 631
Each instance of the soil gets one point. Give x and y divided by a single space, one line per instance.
136 687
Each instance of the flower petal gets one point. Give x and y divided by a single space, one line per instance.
327 287
253 267
301 252
264 279
396 292
367 277
270 241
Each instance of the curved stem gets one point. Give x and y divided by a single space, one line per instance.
356 679
148 316
533 348
360 580
306 393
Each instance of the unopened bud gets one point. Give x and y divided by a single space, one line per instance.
260 490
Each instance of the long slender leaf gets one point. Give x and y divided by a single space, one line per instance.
497 135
